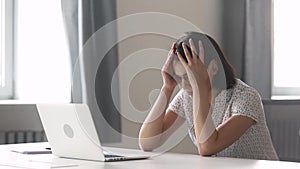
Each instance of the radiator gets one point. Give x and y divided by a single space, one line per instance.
285 135
14 137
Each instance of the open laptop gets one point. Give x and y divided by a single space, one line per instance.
71 133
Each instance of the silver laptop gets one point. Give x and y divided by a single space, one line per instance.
71 133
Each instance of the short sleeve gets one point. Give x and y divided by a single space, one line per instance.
248 103
176 104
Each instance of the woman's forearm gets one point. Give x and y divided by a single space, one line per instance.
152 128
203 123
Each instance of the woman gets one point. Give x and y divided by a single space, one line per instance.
225 116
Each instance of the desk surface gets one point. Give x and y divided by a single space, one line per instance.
10 159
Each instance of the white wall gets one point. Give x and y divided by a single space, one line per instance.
205 14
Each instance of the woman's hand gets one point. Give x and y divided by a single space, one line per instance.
168 72
200 82
195 68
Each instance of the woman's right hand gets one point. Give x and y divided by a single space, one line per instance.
167 71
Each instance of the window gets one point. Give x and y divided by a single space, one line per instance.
2 42
34 30
286 56
6 44
42 58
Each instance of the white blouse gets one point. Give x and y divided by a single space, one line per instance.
241 100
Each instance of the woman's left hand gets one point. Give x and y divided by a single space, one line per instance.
195 68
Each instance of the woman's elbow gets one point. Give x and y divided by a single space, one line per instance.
204 150
204 153
148 142
145 148
145 145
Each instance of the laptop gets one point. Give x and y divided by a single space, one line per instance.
71 133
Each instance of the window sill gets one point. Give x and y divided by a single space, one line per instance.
281 97
28 102
16 102
282 100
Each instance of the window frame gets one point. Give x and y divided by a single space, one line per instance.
6 91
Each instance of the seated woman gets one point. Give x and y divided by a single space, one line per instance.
225 116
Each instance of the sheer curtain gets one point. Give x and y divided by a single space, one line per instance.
92 82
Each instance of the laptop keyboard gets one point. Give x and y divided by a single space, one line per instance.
112 155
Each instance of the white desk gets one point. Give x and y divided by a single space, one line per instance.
10 160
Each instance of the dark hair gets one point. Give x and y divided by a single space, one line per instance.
212 51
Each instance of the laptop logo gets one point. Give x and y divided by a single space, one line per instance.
68 131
